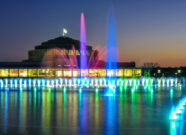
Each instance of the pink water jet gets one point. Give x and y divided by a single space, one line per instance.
83 44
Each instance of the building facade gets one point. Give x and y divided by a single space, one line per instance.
59 52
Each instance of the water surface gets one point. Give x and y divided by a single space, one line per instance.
45 111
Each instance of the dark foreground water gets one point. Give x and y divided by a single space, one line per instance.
45 111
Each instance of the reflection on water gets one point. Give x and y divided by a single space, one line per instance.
177 128
134 110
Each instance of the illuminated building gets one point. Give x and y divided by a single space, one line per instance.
68 73
49 60
54 52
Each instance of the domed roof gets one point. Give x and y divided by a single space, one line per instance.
61 42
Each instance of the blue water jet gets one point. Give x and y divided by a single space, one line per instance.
111 56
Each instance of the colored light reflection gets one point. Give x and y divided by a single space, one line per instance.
177 114
111 117
87 109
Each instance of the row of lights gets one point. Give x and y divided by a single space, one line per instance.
100 82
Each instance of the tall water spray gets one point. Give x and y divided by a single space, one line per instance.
111 57
83 45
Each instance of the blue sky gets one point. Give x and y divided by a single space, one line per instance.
146 30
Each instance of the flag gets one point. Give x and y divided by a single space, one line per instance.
64 31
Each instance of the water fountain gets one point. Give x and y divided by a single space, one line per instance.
111 57
112 112
57 56
83 43
78 77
